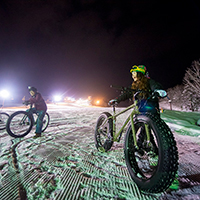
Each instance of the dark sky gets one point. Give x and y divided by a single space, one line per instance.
80 47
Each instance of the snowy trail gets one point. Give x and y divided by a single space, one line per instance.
64 164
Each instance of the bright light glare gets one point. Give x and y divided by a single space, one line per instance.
4 93
97 102
57 98
69 99
83 102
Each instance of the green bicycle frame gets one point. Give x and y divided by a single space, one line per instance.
129 118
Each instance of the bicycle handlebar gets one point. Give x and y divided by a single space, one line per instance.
158 93
128 89
27 103
121 88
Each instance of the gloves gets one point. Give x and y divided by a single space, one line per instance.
112 102
26 103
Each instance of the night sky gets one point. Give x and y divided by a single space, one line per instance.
80 47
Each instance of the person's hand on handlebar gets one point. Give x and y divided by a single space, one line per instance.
26 103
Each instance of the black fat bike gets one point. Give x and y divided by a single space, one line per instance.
20 123
149 146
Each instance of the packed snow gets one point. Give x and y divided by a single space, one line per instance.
64 163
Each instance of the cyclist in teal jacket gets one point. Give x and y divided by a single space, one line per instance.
141 81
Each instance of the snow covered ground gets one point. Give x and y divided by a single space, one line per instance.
64 164
184 123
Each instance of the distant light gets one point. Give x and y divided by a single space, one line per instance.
71 99
89 98
57 98
84 102
4 93
98 102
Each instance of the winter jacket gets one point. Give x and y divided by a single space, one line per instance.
149 105
38 102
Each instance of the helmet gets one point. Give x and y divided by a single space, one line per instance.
30 88
138 68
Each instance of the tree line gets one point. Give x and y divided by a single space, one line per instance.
187 95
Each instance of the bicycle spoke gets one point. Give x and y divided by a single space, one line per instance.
146 156
20 124
103 133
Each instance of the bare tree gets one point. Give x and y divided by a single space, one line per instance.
191 83
191 79
175 96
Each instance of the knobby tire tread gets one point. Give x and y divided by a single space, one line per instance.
168 156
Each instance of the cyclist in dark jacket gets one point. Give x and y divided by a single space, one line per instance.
39 108
141 81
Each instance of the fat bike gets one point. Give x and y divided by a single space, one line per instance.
20 123
149 146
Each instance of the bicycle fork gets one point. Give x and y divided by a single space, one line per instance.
134 132
25 117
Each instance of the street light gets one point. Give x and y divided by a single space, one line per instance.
57 98
4 93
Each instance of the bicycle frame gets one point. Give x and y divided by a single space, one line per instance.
30 114
116 135
25 116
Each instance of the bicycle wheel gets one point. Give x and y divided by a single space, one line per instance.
153 166
104 132
3 119
19 124
45 122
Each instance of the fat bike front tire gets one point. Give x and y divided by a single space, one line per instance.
104 132
153 165
19 124
3 120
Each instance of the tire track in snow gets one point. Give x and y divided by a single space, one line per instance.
65 164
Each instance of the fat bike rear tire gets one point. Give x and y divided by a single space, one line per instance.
104 132
152 166
45 121
19 124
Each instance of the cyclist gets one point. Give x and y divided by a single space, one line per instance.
141 81
39 108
